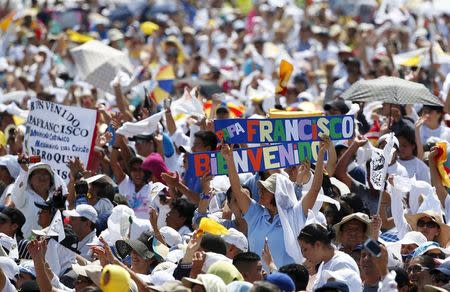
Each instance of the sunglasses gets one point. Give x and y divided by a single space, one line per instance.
436 255
428 224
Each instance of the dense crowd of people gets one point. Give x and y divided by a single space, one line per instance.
135 218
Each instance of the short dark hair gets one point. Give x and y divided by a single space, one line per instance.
354 201
185 209
314 232
401 277
213 243
298 273
408 134
208 138
264 286
244 260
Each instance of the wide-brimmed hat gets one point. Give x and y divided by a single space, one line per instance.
269 184
147 246
444 234
355 216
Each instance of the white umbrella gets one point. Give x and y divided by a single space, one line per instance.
98 63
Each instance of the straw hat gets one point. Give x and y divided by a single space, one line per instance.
444 235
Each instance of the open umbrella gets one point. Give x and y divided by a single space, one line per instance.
390 90
98 63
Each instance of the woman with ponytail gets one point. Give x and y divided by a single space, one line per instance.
315 243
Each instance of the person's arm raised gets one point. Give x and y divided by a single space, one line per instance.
242 199
341 167
310 198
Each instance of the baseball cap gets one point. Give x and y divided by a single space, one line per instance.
413 237
333 285
282 281
27 267
10 162
14 215
270 183
171 236
100 178
425 247
82 210
237 239
226 271
338 104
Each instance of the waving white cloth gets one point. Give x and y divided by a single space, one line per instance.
145 127
291 216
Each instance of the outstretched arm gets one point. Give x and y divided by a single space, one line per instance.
242 199
310 198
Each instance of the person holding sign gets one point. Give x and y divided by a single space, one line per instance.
263 217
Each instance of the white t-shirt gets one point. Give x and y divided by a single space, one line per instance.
138 201
416 167
441 132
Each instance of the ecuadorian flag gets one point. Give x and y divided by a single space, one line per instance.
164 79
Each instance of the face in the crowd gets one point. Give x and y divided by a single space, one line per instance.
5 177
44 217
254 272
81 226
292 172
311 252
265 198
222 114
41 181
174 219
366 264
418 274
428 227
352 233
406 249
7 227
139 264
406 150
82 282
198 146
433 116
136 173
144 147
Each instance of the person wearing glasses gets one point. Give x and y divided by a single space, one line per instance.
419 271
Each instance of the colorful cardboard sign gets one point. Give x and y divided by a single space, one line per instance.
254 159
308 129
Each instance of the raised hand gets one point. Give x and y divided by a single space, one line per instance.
171 179
226 151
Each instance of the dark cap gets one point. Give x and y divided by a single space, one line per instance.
141 137
337 286
444 268
14 215
146 246
338 104
433 107
71 239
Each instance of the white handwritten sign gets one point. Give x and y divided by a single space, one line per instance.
58 133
